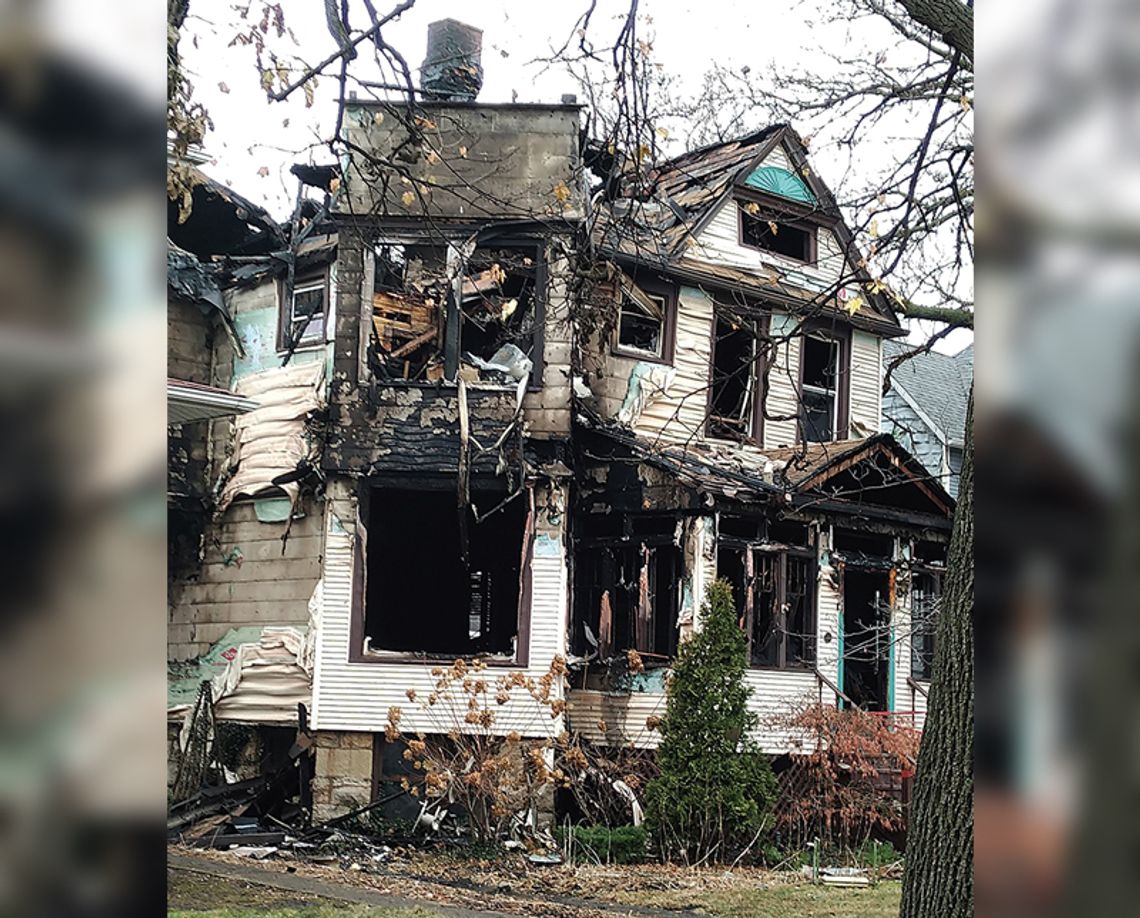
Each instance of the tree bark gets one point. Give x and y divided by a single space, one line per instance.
939 878
949 315
952 20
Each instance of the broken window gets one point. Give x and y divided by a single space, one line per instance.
439 588
758 231
819 388
925 594
864 546
409 293
303 321
641 322
774 588
498 314
499 321
626 599
925 602
734 380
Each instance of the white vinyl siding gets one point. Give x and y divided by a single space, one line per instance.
357 696
866 380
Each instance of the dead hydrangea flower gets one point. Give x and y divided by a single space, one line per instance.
634 661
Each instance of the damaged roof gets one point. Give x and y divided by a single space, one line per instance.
803 469
654 221
221 221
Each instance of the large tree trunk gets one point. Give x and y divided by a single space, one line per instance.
952 20
939 878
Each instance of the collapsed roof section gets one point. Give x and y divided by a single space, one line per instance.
871 472
216 220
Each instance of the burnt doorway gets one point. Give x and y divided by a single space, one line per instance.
866 637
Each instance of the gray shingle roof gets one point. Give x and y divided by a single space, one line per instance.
939 384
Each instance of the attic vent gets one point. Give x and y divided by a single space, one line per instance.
452 70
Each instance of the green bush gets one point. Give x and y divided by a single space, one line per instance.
621 845
715 791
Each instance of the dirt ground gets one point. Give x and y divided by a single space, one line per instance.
510 886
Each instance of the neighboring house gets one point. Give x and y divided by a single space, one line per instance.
476 436
925 407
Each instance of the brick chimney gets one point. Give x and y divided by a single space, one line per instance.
452 71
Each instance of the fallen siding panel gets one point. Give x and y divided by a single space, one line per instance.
271 439
257 676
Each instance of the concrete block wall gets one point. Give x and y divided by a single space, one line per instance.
342 775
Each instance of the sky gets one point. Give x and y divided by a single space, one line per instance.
254 142
251 134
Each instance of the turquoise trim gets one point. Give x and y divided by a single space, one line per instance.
839 673
779 181
891 672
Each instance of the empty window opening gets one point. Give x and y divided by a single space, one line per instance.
626 599
931 553
775 596
641 321
733 380
423 596
855 546
498 314
497 311
304 321
925 602
819 384
866 638
789 532
760 232
408 303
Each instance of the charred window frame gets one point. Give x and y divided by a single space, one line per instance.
647 306
304 318
925 602
626 593
774 585
414 558
825 382
736 378
767 231
424 328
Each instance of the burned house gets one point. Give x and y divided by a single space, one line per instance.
730 430
478 436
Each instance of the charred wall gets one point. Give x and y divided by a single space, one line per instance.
378 425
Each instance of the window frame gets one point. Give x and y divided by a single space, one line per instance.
755 434
781 552
769 214
935 574
587 552
655 287
304 282
359 604
811 599
842 409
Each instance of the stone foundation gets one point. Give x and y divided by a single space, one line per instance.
342 778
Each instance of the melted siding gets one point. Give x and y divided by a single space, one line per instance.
680 417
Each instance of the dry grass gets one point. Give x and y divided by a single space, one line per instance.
509 885
195 895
